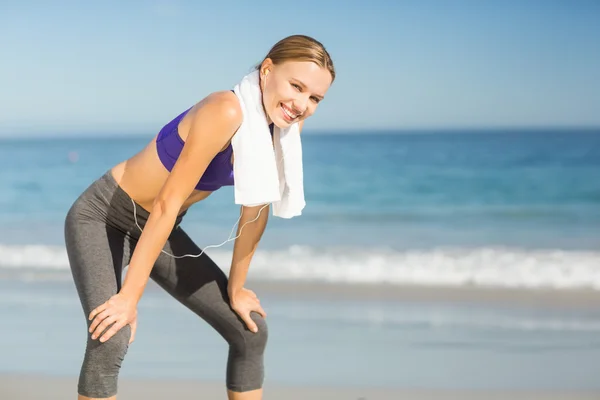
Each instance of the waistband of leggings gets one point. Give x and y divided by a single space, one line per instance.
120 206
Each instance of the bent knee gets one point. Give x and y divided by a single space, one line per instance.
262 334
109 354
248 341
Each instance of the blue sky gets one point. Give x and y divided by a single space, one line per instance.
128 67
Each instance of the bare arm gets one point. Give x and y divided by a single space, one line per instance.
246 244
213 126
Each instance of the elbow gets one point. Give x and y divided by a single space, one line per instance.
163 206
256 212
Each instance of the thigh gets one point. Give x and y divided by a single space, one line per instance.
96 253
198 283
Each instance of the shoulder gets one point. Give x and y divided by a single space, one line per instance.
223 105
218 115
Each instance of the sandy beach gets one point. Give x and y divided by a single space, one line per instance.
30 387
387 342
544 297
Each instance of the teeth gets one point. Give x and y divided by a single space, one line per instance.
288 113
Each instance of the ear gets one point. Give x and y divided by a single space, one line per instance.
267 64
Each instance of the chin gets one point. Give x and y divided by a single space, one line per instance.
283 124
280 123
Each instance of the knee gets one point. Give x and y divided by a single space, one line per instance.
247 341
110 353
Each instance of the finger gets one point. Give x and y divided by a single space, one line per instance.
108 321
99 318
102 327
97 310
96 323
249 322
114 329
261 311
133 330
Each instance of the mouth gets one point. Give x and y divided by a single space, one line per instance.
288 114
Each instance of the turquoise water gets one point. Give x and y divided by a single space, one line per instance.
446 208
505 209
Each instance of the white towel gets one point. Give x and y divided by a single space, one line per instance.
266 171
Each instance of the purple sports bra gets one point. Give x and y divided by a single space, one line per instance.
169 145
218 173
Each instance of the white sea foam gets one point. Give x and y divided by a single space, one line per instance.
494 267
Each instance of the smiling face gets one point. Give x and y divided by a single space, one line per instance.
292 90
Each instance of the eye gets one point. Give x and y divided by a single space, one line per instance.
297 86
316 100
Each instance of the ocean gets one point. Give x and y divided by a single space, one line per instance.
514 210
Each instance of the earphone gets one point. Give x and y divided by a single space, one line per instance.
229 239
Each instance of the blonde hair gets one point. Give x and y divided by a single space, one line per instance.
300 48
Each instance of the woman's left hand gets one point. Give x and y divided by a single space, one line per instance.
118 311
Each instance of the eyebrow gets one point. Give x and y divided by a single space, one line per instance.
303 85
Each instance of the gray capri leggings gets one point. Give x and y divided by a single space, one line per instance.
100 235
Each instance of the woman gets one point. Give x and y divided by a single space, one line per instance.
131 216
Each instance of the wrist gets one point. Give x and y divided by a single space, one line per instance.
132 296
232 291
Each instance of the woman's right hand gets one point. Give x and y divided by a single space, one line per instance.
117 311
243 301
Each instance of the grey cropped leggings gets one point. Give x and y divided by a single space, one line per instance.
100 235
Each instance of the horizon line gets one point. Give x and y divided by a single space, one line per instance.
317 132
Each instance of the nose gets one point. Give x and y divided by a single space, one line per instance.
301 104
